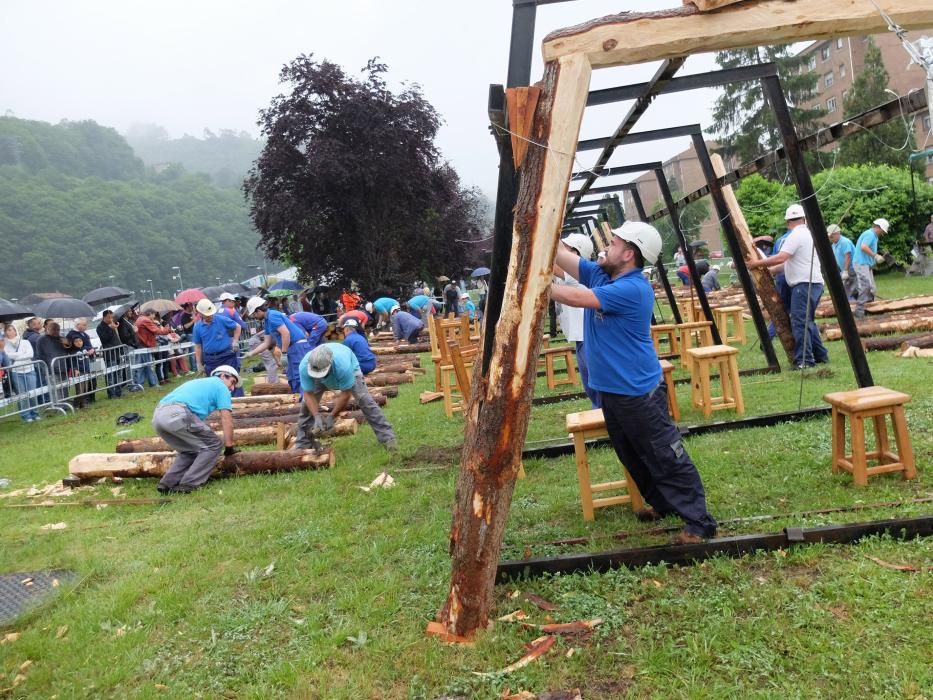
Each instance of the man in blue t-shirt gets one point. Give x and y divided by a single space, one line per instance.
334 366
624 368
381 308
864 260
282 336
216 339
406 325
179 420
356 341
312 324
843 250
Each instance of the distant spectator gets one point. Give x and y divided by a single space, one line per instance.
18 354
451 299
52 346
148 329
82 353
107 333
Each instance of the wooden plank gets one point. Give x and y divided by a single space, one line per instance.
632 37
707 5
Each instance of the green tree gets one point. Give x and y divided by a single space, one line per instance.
611 206
887 144
742 118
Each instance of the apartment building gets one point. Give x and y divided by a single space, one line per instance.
838 61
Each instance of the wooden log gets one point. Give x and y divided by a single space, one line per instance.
402 349
899 342
241 423
903 304
869 327
389 379
276 399
241 436
258 417
499 407
764 282
632 37
394 367
269 389
265 411
152 464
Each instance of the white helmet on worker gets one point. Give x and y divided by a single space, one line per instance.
794 211
643 236
350 323
395 308
226 296
832 229
206 307
716 267
368 307
319 361
581 243
882 224
253 304
227 369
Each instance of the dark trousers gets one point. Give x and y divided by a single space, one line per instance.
213 360
803 301
649 445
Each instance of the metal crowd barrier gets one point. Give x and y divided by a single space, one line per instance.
78 377
144 361
27 393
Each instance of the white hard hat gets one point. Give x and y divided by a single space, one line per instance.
882 224
368 307
464 295
716 267
794 211
643 236
350 323
206 307
227 369
395 308
226 296
832 228
253 304
581 243
319 361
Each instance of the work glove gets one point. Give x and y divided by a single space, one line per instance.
879 259
318 427
327 421
845 275
228 451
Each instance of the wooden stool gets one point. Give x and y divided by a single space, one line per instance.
687 310
549 355
668 369
873 402
722 316
701 361
667 331
590 424
699 331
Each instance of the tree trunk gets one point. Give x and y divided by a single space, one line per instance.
243 423
900 324
89 466
241 436
499 407
899 342
402 349
389 379
269 389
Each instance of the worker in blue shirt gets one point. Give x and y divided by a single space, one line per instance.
312 324
405 325
229 308
334 366
844 251
469 307
624 368
356 341
283 337
216 339
179 420
421 304
865 258
381 308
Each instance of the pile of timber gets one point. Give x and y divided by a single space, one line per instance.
899 342
911 321
825 308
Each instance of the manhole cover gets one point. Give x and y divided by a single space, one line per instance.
23 590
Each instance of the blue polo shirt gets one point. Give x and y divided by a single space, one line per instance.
202 396
214 337
275 320
235 315
419 301
405 324
620 355
309 322
342 374
383 305
869 238
357 343
840 248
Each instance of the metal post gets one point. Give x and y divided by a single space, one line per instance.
817 228
728 226
662 273
688 253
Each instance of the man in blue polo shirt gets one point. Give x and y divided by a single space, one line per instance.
356 341
422 305
179 420
381 308
334 366
315 326
624 368
406 325
216 338
843 250
864 260
282 337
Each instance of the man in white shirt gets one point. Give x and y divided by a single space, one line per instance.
571 318
804 276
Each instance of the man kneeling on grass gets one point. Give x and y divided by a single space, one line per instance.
334 366
179 420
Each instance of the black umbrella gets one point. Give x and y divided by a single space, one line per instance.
63 307
10 311
212 293
697 244
105 295
237 289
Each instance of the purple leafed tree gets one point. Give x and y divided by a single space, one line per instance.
350 181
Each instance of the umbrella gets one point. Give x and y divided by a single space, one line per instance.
280 292
105 295
65 307
192 296
480 272
237 289
120 309
212 293
762 239
287 286
443 278
10 311
698 244
160 305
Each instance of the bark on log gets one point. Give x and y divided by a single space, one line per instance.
403 349
899 342
394 367
764 282
499 407
242 423
389 379
871 327
882 306
283 396
257 401
88 466
241 436
265 411
288 414
269 389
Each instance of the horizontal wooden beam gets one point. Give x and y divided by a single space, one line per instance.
632 37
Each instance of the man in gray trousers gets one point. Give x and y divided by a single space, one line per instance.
179 420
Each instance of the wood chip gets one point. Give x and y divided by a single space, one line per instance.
513 616
540 602
576 627
62 631
893 567
537 649
23 667
10 637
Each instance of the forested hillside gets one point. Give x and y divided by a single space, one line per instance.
76 206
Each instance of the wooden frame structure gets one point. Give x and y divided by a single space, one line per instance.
498 410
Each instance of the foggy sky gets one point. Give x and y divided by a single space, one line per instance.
202 64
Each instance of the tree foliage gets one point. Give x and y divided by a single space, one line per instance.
743 119
866 191
350 182
887 144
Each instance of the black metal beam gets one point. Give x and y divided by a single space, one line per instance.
633 138
824 249
740 545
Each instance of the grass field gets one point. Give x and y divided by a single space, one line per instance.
304 586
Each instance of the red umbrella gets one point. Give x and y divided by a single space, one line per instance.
189 296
